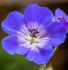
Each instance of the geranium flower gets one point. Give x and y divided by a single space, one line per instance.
62 17
32 34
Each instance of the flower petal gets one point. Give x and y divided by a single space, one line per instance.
42 56
46 15
59 12
65 23
22 50
35 13
12 45
56 32
13 22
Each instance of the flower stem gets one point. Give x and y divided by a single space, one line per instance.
43 67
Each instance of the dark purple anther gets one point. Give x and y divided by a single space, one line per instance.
33 32
61 17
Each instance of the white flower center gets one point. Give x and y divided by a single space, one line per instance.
33 37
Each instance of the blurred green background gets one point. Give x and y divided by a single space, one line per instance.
19 62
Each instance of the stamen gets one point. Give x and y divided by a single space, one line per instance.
33 32
33 36
61 17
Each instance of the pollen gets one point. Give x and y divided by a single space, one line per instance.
32 40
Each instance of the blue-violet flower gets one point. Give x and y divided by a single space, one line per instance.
32 34
61 17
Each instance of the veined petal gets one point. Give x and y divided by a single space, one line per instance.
42 56
13 22
12 45
57 33
34 13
